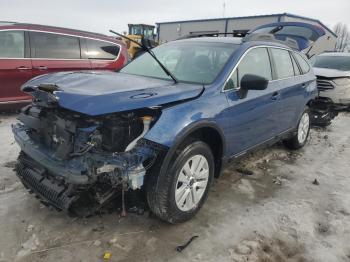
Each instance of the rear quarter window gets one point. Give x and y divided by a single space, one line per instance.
101 50
305 67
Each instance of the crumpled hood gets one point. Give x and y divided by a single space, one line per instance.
97 93
330 73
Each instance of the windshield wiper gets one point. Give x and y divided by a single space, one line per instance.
151 54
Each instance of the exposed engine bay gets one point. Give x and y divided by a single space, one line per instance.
78 163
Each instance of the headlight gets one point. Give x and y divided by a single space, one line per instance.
342 81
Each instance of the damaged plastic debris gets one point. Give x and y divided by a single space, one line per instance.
182 247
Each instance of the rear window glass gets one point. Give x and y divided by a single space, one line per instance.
283 63
289 30
11 44
54 46
303 64
298 31
101 50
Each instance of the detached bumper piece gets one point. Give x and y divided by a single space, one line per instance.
37 180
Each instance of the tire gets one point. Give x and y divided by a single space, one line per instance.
298 140
191 189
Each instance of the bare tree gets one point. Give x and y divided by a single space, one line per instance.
343 39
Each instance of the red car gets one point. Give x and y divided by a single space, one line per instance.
28 50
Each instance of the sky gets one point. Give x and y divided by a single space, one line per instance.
102 15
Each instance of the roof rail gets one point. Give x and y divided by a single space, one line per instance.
203 35
271 38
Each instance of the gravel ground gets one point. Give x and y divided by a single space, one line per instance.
278 213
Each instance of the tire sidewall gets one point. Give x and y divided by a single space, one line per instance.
196 148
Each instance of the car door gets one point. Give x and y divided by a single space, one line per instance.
15 66
53 52
103 55
251 117
290 87
291 84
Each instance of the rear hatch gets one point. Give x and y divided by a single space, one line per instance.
310 39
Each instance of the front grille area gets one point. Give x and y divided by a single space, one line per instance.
323 84
49 192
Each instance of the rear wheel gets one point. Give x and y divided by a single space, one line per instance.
177 195
300 137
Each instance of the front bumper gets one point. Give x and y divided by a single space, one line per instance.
340 95
62 183
71 170
83 169
49 191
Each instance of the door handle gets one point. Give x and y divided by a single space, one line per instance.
41 67
275 95
23 68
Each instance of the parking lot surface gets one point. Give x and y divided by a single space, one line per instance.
293 206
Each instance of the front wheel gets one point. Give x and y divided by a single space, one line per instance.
178 194
298 140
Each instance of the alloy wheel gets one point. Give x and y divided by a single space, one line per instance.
303 128
191 183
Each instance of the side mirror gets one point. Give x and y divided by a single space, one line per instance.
254 82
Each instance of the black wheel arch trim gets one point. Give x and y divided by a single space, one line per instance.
185 133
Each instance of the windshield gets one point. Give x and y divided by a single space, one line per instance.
195 62
334 62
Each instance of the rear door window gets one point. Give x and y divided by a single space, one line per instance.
303 64
11 44
54 46
283 63
101 50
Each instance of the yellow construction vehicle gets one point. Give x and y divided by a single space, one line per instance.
143 34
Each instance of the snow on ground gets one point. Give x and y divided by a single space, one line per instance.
276 214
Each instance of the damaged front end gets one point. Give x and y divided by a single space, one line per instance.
79 163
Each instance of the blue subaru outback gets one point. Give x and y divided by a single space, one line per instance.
164 125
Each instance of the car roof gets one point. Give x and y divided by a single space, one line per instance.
234 40
54 29
335 54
